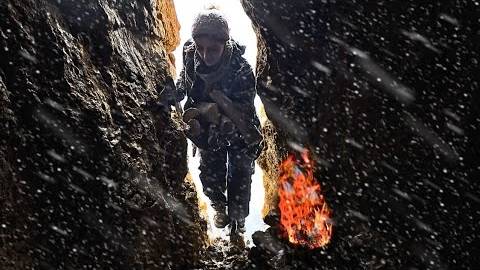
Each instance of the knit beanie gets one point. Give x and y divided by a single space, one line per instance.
211 22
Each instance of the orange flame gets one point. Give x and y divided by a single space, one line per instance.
304 213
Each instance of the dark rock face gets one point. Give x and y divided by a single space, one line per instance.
385 95
91 175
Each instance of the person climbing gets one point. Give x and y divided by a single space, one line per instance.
220 89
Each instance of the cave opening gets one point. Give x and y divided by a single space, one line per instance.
242 32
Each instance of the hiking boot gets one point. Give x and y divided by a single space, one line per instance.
238 226
241 225
220 219
237 230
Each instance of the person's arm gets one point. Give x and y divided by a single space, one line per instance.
181 91
243 95
182 82
244 91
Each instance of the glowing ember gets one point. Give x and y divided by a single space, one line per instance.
304 213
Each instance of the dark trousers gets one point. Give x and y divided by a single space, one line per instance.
227 170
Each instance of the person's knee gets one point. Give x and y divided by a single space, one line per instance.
212 165
242 169
212 180
241 160
212 174
210 190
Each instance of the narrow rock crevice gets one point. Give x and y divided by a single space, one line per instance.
384 95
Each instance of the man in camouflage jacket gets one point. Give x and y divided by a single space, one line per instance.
213 61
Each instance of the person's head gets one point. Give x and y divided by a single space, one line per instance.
210 32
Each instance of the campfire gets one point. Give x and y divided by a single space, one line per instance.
304 214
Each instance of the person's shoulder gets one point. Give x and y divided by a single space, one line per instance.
189 46
238 48
188 43
242 67
240 63
188 51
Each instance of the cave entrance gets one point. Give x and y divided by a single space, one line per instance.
242 32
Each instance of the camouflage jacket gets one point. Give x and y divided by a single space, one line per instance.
237 82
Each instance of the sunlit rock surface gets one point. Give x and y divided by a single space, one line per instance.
168 28
91 173
385 94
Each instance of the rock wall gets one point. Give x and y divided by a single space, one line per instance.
92 171
385 95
